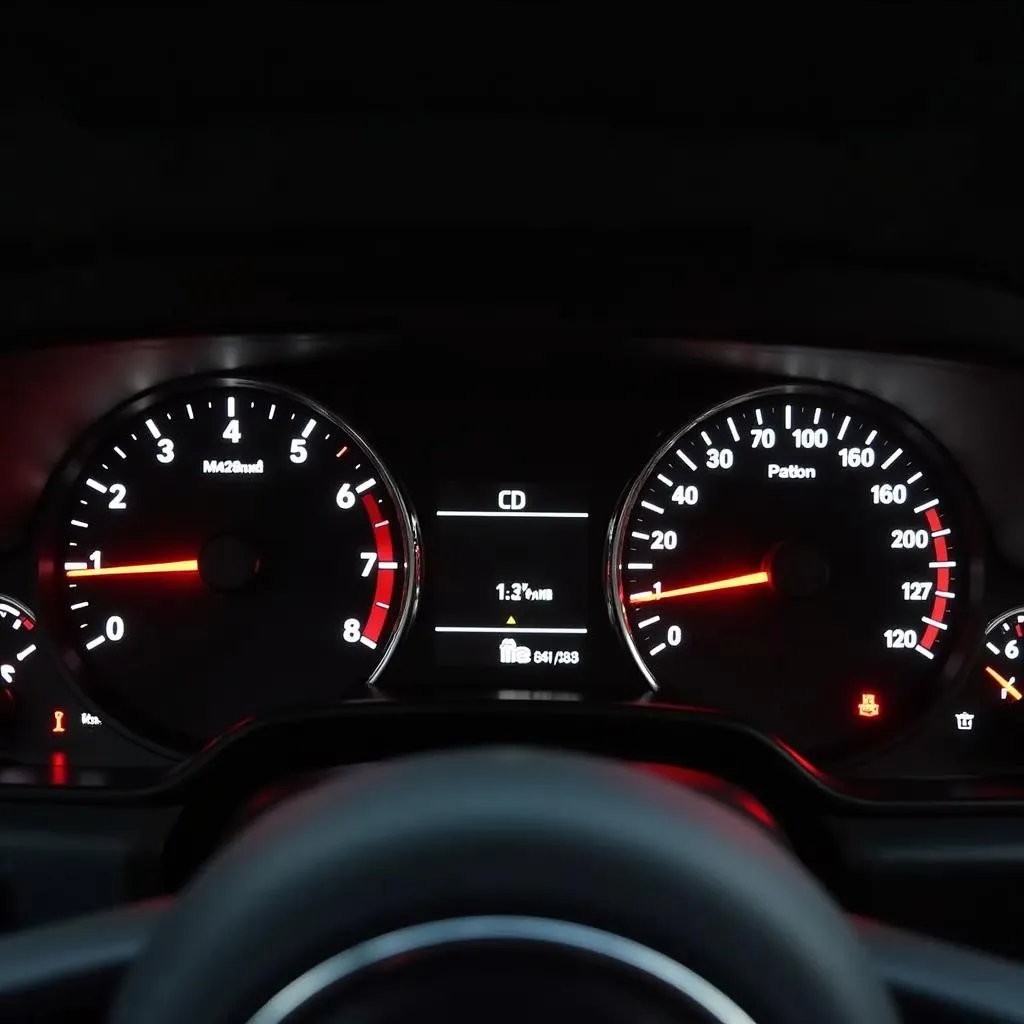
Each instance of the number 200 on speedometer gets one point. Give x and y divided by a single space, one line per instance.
798 559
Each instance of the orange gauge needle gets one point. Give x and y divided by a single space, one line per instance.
152 569
1004 683
752 579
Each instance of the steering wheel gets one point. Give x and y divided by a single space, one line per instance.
503 885
499 885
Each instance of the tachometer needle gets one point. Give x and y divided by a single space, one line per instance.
751 579
150 569
1006 684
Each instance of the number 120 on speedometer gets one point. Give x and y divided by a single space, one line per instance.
788 553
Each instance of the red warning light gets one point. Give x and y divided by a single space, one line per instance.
869 706
58 723
58 769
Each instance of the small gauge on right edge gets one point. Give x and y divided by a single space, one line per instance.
1002 662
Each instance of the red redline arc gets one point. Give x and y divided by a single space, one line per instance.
939 604
385 576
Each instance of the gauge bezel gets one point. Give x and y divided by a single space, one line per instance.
1018 610
12 603
952 672
83 451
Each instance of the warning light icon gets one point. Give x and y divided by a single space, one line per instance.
869 706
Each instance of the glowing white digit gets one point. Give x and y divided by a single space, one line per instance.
166 454
685 495
119 492
900 639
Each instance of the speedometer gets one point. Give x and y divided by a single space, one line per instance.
796 558
222 551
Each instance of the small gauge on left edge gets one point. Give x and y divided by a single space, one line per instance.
17 646
227 552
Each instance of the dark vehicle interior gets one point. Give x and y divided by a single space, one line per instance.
517 519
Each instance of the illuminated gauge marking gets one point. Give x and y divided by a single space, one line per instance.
247 555
814 552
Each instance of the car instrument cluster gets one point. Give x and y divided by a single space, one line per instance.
813 550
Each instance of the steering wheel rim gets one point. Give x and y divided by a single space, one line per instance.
502 834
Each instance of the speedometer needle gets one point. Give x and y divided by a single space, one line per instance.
751 579
1006 684
150 569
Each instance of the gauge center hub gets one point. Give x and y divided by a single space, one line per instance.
798 570
228 563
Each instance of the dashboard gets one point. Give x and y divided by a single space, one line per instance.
412 399
206 537
509 300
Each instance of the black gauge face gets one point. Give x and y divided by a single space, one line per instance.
795 559
227 553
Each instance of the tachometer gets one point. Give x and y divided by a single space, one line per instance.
795 558
227 551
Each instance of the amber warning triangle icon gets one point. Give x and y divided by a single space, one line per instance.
511 621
